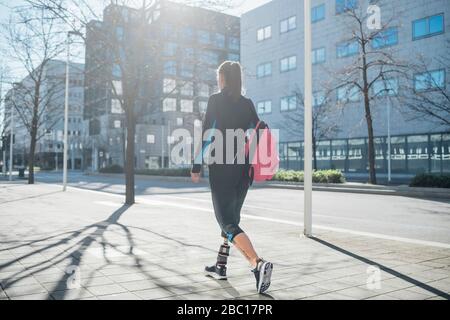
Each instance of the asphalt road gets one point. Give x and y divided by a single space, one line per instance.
393 216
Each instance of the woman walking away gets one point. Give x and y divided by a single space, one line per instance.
229 110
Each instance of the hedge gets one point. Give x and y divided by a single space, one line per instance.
319 176
115 168
431 181
178 172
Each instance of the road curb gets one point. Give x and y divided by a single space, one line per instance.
436 193
403 190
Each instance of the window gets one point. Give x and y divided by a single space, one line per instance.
116 106
318 13
318 55
382 88
234 57
288 103
150 138
264 107
116 71
117 124
169 31
264 33
348 93
188 53
204 37
187 33
169 104
288 24
429 80
187 89
170 49
234 43
318 99
187 70
386 38
345 5
202 105
347 49
209 57
187 106
429 26
169 86
180 121
119 34
264 70
219 40
288 64
203 90
170 67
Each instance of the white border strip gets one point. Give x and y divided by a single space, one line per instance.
140 199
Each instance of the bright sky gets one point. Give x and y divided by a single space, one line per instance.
239 7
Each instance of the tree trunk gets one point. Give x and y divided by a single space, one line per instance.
31 157
371 147
129 164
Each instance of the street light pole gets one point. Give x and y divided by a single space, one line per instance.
308 122
66 109
389 137
66 115
11 142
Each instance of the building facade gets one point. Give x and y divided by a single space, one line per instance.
49 147
183 47
272 39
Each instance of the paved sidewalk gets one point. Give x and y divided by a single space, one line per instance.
157 250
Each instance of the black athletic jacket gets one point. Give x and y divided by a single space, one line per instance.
225 113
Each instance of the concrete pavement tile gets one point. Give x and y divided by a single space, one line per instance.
358 293
139 285
38 296
383 297
119 278
120 296
19 281
106 289
154 293
329 296
408 295
16 291
73 294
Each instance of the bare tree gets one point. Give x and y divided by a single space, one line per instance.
133 61
427 95
374 61
324 121
34 42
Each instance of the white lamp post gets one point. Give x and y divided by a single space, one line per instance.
66 110
308 123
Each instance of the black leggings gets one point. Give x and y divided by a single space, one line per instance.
227 202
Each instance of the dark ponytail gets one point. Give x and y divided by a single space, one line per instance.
232 74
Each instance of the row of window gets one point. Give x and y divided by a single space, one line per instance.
389 87
171 49
205 37
186 105
186 88
386 38
421 28
286 64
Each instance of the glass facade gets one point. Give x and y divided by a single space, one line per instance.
410 154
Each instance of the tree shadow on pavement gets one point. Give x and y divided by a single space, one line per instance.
384 268
30 197
73 255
